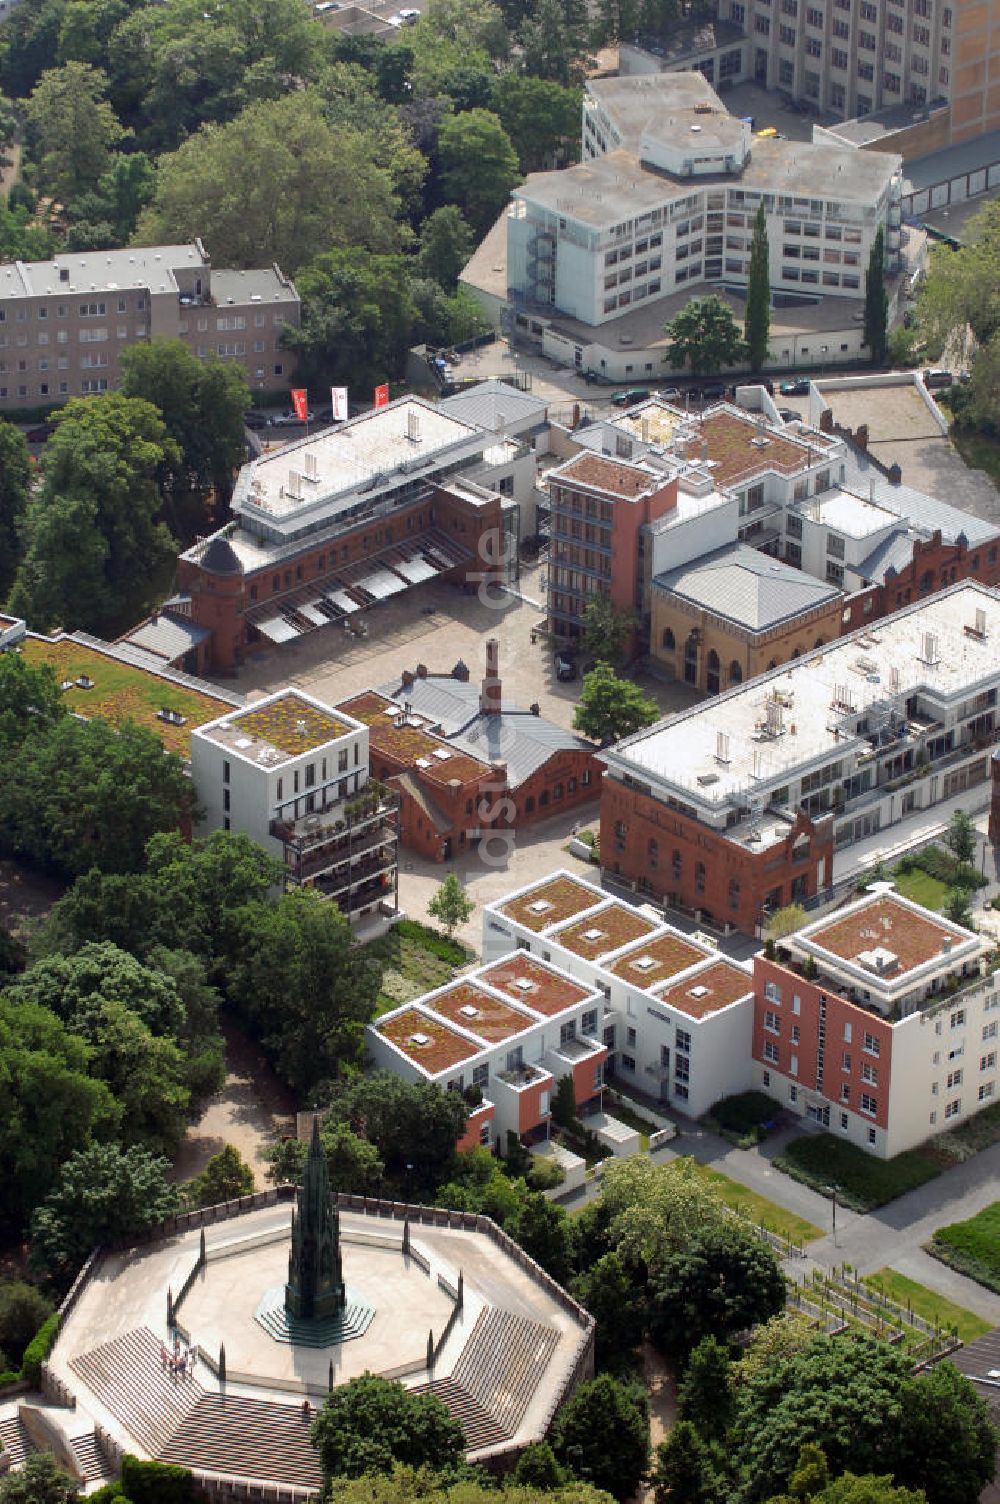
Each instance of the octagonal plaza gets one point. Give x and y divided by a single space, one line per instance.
508 1343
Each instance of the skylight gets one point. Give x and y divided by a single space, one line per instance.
540 906
643 963
592 934
468 1011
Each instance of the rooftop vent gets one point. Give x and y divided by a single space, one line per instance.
468 1011
592 934
540 906
85 682
419 1040
244 741
698 991
930 648
643 963
300 727
524 984
722 746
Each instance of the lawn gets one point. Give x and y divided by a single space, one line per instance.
972 1247
412 959
758 1208
978 451
926 1303
920 887
123 693
862 1181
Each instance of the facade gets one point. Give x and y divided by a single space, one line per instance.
662 208
329 525
879 1022
745 800
65 322
293 775
676 1017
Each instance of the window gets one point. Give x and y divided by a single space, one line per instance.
869 1073
683 1040
772 992
481 1074
871 1044
567 1031
952 1109
872 1136
588 1021
988 1062
987 1090
225 772
628 1062
771 1022
869 1105
770 1052
847 1033
990 1030
954 1079
957 1019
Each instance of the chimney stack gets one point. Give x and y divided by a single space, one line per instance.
489 695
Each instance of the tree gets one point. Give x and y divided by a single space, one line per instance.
354 1164
23 1308
607 629
860 1399
312 187
704 336
73 987
407 1485
602 1435
542 1229
706 1395
473 25
537 1468
87 795
446 243
724 1281
104 1194
478 165
370 1424
786 921
72 129
101 466
302 985
547 45
876 301
15 475
757 326
778 1338
610 707
13 954
961 290
203 403
49 1106
414 1125
653 1211
961 837
850 1489
30 700
958 909
685 1470
226 1177
541 117
40 1480
564 1102
617 1303
357 318
285 1161
450 905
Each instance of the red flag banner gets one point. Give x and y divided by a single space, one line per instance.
382 395
300 402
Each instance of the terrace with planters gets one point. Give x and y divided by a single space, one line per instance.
98 685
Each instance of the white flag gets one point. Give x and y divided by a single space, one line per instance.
339 395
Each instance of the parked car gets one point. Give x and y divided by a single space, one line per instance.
286 420
256 420
798 386
713 391
670 393
565 667
40 433
937 376
632 395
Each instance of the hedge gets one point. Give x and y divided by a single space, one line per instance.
155 1482
8 1377
38 1350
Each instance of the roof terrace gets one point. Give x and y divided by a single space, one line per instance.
888 936
283 726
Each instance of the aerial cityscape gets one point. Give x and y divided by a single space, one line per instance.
500 752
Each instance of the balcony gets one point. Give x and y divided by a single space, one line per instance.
339 820
524 1076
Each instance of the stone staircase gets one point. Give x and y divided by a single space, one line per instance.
249 1438
481 1430
16 1441
127 1378
91 1459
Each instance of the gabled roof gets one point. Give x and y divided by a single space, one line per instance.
495 405
747 587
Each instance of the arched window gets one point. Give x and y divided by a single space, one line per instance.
652 851
712 676
735 673
529 804
691 660
669 640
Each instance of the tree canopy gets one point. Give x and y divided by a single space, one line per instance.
611 707
370 1425
414 1125
705 336
602 1435
15 474
478 165
103 1194
73 129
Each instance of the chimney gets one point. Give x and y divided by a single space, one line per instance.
489 695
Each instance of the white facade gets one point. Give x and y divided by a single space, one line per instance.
245 781
664 1036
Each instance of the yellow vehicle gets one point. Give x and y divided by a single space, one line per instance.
768 132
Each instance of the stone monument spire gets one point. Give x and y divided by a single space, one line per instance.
315 1285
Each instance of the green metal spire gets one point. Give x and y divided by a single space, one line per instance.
315 1285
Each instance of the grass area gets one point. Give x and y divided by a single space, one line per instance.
978 451
926 1303
412 959
625 1114
862 1181
920 887
972 1247
123 693
758 1208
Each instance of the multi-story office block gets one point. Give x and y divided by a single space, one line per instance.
65 322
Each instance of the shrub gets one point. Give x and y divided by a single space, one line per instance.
38 1350
23 1308
155 1482
9 1376
746 1110
432 940
545 1174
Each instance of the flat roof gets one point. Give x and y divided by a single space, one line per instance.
708 990
149 267
740 447
432 1044
122 691
886 929
477 1010
952 161
266 284
633 101
612 477
558 897
283 726
604 929
652 961
854 516
817 701
403 438
549 992
411 742
690 39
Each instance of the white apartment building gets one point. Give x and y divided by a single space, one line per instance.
677 1016
65 322
664 202
293 775
503 1035
879 1022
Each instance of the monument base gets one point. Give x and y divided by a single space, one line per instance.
352 1320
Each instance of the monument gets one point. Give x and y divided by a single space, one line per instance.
315 1288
